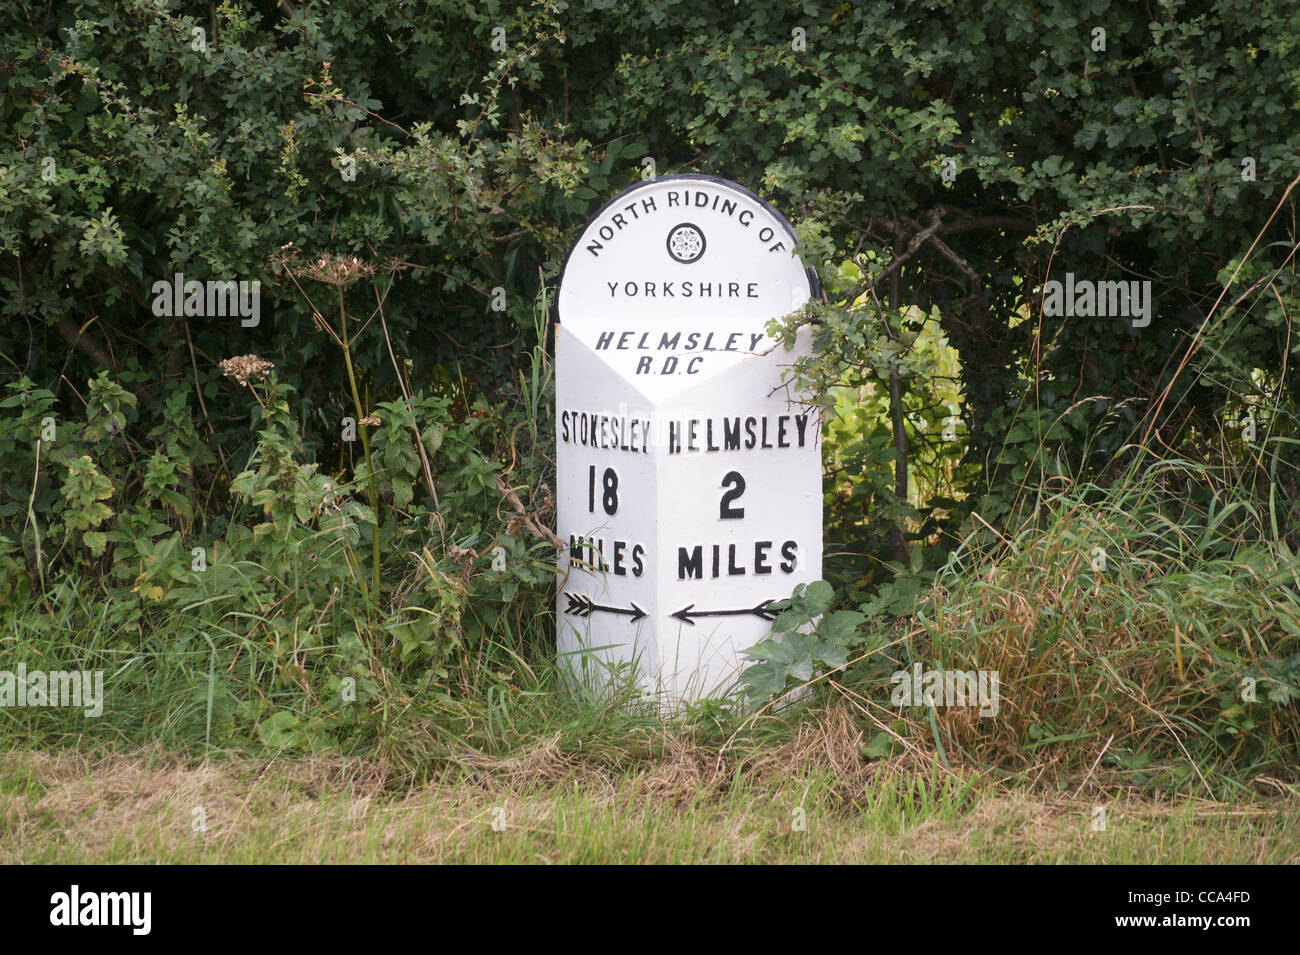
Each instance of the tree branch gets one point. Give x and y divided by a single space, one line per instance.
77 338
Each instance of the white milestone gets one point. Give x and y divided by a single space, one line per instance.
689 473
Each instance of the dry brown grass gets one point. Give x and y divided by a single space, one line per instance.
689 804
1139 656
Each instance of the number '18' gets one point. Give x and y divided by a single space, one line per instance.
609 490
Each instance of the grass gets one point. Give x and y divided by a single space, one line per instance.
141 808
1117 684
1125 625
1120 689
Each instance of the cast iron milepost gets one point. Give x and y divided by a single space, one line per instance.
688 474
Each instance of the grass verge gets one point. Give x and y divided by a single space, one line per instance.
148 808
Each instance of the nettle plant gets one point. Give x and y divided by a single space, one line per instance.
280 577
76 490
318 531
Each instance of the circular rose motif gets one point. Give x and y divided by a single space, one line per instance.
686 243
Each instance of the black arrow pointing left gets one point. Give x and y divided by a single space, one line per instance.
583 606
758 610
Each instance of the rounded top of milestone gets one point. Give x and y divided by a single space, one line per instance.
683 247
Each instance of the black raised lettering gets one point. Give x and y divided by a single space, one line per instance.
726 508
690 565
790 551
731 434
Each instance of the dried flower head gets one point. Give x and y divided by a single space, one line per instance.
245 368
331 268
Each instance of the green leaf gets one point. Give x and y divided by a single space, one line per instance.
882 746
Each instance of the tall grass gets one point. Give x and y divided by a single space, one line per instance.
1152 628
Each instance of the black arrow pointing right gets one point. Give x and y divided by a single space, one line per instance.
583 606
